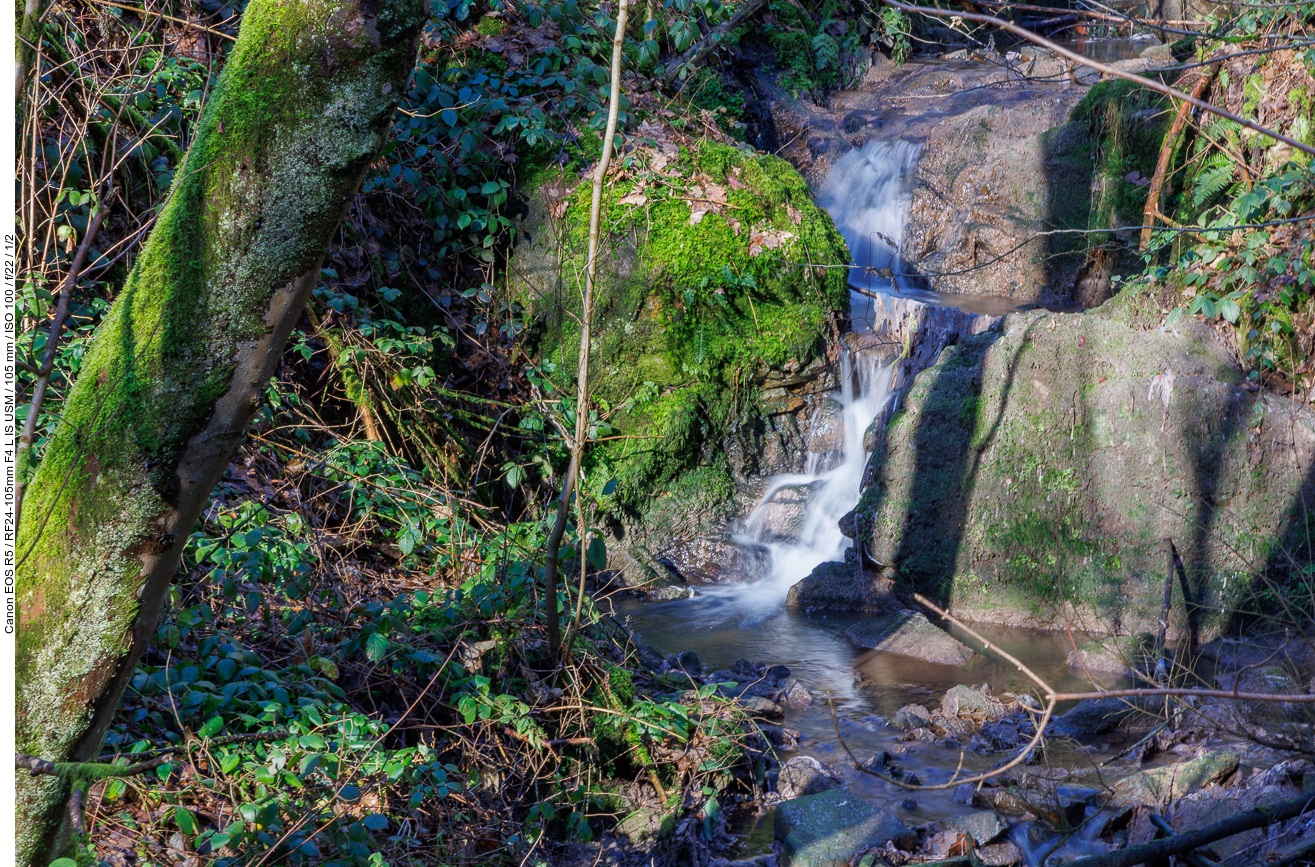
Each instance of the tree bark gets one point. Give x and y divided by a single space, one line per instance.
180 363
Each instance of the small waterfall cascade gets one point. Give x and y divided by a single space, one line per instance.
868 193
796 520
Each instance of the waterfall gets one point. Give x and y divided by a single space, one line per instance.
795 522
868 193
797 518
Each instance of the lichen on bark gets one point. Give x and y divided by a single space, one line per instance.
179 365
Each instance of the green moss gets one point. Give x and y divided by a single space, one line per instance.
688 311
490 26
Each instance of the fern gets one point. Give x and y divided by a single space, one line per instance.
1215 175
826 50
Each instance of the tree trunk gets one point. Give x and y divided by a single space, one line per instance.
179 364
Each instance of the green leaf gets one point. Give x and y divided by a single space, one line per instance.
375 822
350 794
597 553
212 727
609 488
64 862
185 821
376 647
1229 310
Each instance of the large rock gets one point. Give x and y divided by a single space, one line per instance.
680 349
826 830
1096 716
1155 786
1073 445
998 164
909 633
842 587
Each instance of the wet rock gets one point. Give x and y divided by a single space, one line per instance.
1154 786
1004 854
910 717
984 827
965 794
964 701
760 706
781 737
1121 656
950 843
651 659
795 695
805 775
842 587
909 633
909 804
828 829
1096 716
1003 734
687 662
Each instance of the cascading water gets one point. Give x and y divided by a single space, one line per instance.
797 518
867 194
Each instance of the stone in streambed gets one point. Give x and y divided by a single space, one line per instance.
1122 656
826 830
964 701
909 633
984 827
1095 716
804 775
1004 854
1160 785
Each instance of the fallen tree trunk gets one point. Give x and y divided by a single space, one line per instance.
179 365
1160 849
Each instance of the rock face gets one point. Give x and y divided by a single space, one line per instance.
1074 445
826 830
1099 715
909 633
1000 161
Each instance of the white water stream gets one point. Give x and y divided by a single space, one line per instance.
796 519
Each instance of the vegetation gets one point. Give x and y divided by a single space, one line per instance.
354 666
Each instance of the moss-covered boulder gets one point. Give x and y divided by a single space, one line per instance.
1040 466
717 280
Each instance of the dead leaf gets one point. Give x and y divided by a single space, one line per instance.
796 216
768 239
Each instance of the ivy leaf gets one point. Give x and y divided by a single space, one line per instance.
597 553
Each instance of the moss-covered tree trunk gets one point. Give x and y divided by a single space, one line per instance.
179 365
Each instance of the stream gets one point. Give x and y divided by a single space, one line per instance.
793 528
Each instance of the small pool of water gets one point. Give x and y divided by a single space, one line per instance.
865 688
1108 50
